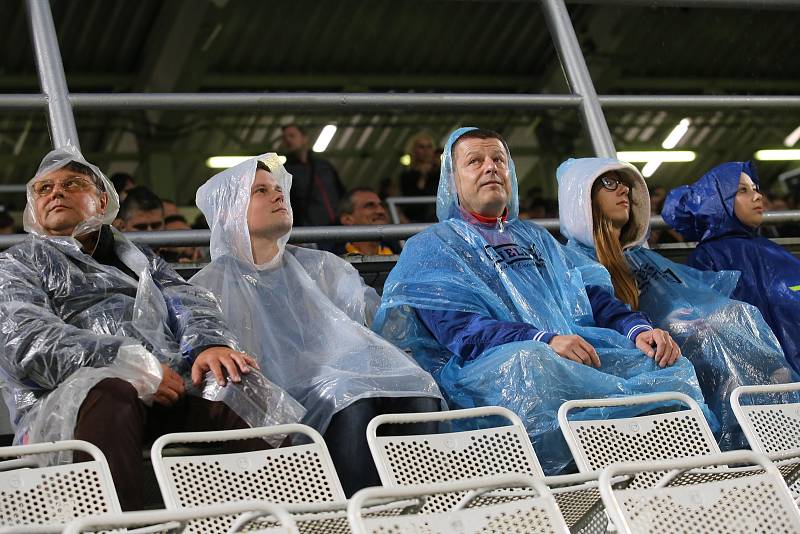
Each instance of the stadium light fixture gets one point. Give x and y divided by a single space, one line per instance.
662 156
778 155
792 138
650 168
226 162
324 139
676 134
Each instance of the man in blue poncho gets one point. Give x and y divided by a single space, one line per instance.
722 211
497 310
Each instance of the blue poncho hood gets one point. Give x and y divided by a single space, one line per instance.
447 204
704 209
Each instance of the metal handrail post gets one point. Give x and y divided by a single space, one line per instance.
51 74
580 81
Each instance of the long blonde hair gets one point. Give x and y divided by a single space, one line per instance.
610 255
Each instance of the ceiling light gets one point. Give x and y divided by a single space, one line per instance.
650 168
778 155
676 134
324 138
226 162
792 138
662 156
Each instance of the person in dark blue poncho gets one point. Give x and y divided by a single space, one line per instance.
605 213
497 310
722 212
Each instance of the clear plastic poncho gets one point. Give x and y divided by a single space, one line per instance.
514 271
68 322
727 341
303 314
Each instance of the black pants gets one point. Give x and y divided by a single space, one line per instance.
346 436
114 419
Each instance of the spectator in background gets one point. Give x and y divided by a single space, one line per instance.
141 211
179 254
6 221
170 208
662 235
123 182
316 187
421 178
363 206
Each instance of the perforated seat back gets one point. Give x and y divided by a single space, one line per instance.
258 517
536 511
515 517
772 427
596 444
433 458
287 475
32 495
757 502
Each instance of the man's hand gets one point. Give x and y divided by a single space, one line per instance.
666 350
170 389
575 348
217 358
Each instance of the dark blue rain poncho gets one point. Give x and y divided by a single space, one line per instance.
770 279
513 272
727 341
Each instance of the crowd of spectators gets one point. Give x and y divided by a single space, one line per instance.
102 340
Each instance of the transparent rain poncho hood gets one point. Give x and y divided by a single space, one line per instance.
513 271
68 321
302 314
770 275
53 161
727 341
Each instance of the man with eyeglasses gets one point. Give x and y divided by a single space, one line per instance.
100 339
141 211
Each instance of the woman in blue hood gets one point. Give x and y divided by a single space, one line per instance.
497 311
722 212
604 210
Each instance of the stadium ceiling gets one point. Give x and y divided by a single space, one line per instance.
419 46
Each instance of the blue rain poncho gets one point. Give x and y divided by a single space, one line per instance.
770 276
727 341
68 321
302 314
514 271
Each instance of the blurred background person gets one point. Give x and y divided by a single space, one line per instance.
363 206
316 186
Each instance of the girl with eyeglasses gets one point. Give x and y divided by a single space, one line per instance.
604 210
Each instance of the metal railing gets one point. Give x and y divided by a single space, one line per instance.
343 234
59 103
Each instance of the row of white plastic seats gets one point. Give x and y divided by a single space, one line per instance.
302 476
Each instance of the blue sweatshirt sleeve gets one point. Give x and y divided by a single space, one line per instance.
470 334
610 312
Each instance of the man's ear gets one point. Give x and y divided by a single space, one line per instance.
346 219
103 202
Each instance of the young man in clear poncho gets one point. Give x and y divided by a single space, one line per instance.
723 211
498 312
604 210
98 336
302 313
